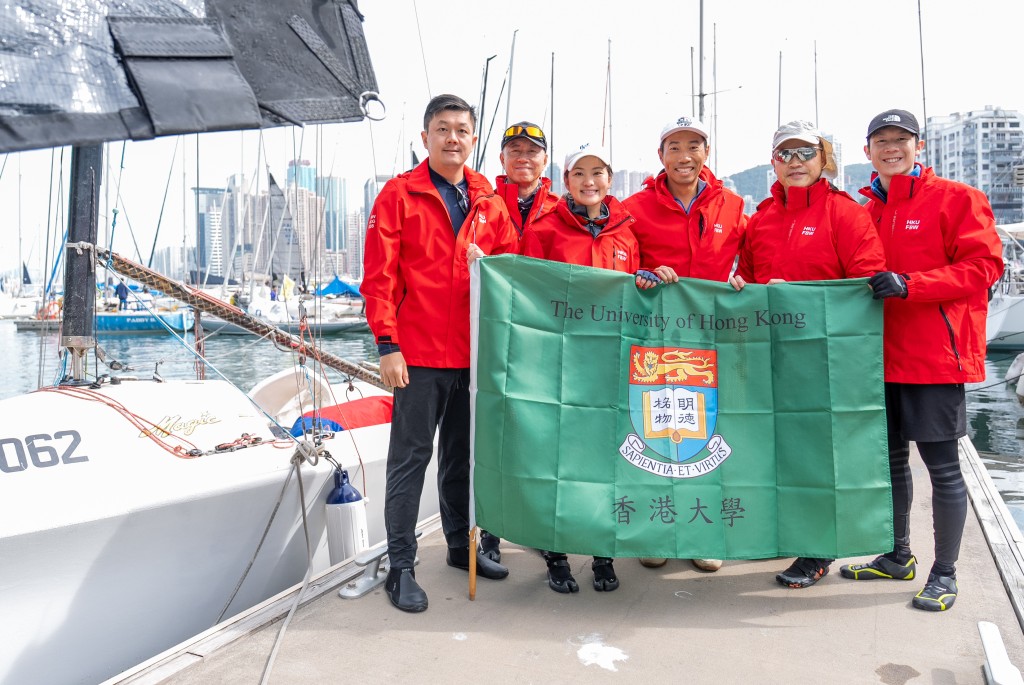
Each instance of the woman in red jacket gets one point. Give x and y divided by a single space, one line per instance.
588 227
807 231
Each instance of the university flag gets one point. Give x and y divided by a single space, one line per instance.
686 421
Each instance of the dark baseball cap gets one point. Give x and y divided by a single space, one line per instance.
525 129
900 118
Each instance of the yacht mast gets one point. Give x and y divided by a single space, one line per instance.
700 66
80 268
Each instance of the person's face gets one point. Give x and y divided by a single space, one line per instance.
797 172
523 161
683 155
893 151
588 182
449 139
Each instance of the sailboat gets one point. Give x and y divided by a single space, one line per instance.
135 512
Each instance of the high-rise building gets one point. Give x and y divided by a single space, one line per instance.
303 174
333 190
356 239
370 191
209 253
980 148
306 209
837 152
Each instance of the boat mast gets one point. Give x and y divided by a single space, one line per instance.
778 116
924 100
551 128
609 91
511 60
816 119
80 268
483 102
700 66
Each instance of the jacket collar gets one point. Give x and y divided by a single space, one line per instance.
419 181
900 187
794 198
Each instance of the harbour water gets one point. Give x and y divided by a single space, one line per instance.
995 416
995 422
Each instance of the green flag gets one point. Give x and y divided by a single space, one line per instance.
687 421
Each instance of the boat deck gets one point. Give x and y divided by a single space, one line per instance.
662 625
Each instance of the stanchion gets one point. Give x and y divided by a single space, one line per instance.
472 563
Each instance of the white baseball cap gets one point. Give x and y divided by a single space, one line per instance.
586 150
685 124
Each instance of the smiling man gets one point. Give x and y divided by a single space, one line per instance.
688 221
416 287
685 218
523 186
943 254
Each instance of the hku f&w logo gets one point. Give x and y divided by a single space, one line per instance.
673 407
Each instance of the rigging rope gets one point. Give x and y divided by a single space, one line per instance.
210 305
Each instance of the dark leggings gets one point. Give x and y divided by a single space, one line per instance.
949 499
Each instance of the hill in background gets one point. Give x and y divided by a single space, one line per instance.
754 182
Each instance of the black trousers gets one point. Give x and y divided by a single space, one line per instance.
434 398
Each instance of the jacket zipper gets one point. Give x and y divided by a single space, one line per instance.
952 338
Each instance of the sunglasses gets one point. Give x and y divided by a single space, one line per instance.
531 131
804 153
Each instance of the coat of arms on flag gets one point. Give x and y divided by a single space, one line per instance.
673 406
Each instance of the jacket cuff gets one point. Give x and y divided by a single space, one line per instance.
387 348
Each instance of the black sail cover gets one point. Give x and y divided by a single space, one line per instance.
78 72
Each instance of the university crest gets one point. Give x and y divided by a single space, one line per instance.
673 407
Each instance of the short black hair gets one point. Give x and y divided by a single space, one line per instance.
449 102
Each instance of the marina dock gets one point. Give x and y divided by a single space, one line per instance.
662 625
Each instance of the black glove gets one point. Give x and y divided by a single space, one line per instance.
888 284
649 275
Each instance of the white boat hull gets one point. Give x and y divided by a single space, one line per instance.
113 549
1006 322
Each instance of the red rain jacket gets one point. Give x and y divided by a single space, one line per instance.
416 281
561 236
668 236
810 234
542 204
941 235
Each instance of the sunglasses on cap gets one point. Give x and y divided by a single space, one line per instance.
531 131
804 153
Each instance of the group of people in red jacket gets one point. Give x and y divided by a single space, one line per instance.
927 245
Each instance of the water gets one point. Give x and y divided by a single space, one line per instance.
995 422
995 417
243 360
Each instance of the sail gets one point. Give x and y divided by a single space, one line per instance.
281 240
97 70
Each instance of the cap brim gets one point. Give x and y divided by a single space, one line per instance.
889 124
700 133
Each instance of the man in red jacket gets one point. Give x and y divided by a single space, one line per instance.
523 186
416 286
527 194
943 254
685 218
688 221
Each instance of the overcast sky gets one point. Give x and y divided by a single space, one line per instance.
867 61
